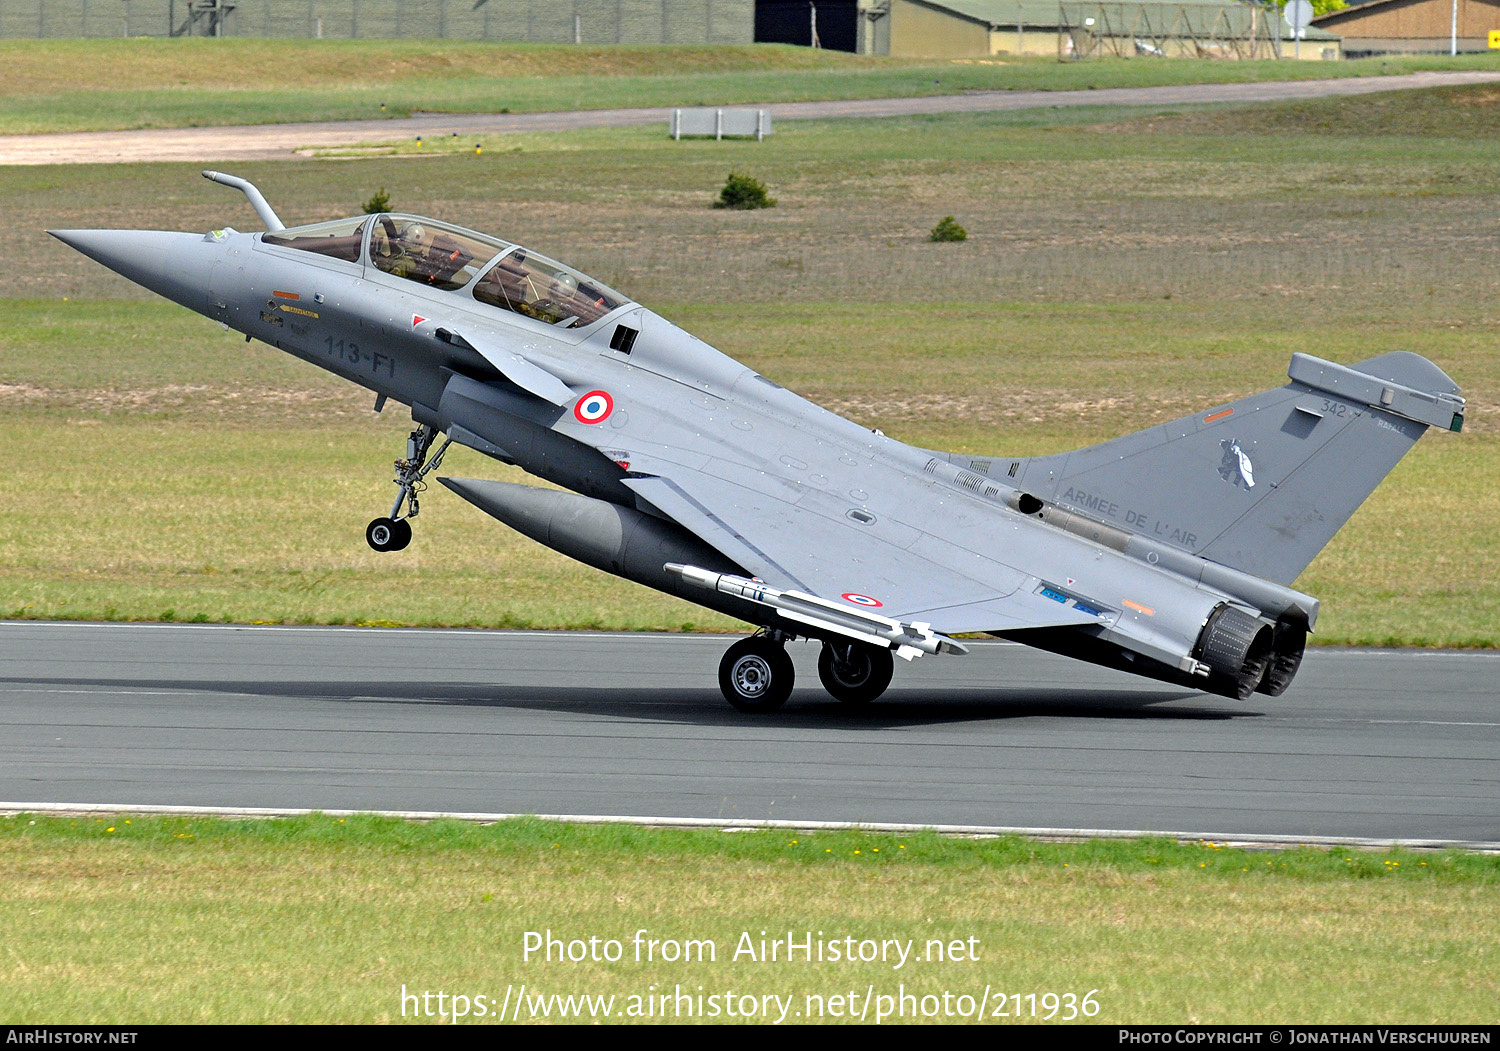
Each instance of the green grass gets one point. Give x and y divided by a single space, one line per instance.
1123 268
78 85
132 919
1464 112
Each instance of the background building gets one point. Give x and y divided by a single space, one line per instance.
1083 29
541 21
1412 26
792 22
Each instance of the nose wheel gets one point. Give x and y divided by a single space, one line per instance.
394 533
388 534
854 673
756 675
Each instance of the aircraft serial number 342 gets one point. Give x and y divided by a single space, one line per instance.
1168 553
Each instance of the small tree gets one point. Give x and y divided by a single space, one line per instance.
1320 7
742 191
948 230
379 202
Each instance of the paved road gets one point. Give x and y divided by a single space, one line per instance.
1379 744
282 141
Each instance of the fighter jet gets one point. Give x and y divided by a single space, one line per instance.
1169 553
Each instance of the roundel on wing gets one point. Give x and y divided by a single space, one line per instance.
861 600
594 407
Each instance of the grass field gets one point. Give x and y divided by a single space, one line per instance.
1123 268
83 85
1160 932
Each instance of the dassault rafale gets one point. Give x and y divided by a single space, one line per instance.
1169 553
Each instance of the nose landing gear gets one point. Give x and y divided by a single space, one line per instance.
388 534
394 533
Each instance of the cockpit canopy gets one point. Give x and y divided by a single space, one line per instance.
422 251
437 255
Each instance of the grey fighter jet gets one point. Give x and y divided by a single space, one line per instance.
1168 553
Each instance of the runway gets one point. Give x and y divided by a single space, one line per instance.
289 141
1382 744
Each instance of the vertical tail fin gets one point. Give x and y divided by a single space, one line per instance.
1260 485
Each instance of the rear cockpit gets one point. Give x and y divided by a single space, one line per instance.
494 272
544 289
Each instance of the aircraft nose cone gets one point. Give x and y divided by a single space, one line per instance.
160 260
120 250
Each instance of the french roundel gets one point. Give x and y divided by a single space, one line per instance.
861 600
594 407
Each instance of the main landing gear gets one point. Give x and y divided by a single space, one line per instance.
394 533
756 675
853 672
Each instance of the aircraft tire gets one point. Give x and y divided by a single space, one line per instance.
403 535
756 675
384 534
859 679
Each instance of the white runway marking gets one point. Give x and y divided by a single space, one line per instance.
1222 839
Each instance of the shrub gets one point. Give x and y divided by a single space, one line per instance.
742 191
379 202
948 230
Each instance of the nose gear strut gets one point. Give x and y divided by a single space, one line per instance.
394 533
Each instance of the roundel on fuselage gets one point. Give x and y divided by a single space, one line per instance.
594 407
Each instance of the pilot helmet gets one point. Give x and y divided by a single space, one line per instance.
414 233
564 285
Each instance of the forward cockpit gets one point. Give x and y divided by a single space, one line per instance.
436 255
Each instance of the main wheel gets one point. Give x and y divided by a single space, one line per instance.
854 673
756 675
385 534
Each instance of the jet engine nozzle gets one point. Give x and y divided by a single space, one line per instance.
1236 646
1287 646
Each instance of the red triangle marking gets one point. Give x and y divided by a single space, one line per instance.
417 319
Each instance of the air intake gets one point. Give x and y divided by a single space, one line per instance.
623 339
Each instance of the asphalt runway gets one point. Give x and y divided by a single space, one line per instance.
1378 744
288 141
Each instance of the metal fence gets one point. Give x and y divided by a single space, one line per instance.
1167 30
719 123
541 21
